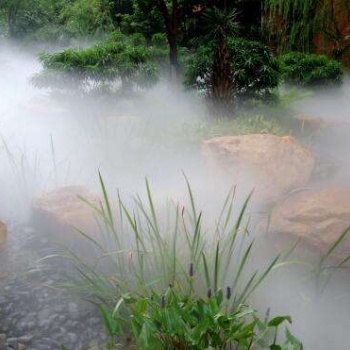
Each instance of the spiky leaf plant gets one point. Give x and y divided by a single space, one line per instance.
219 25
139 250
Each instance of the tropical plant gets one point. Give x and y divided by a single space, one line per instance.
254 70
310 69
177 320
219 25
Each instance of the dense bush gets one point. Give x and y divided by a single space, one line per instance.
107 63
255 70
310 69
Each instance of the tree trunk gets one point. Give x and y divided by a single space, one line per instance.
171 29
222 84
174 65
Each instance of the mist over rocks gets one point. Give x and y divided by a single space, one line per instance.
47 131
269 164
3 234
315 216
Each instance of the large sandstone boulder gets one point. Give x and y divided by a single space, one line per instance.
270 164
3 234
317 217
62 209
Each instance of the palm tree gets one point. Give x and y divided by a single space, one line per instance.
218 26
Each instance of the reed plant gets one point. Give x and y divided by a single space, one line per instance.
142 249
144 257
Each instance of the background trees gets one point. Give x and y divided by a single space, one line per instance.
311 25
223 48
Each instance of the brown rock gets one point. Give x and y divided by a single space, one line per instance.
317 217
3 234
63 209
271 164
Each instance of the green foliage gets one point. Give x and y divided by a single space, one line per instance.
254 69
159 40
145 19
84 18
310 69
50 20
101 64
177 320
52 33
24 17
219 24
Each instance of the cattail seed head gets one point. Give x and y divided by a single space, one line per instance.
209 293
191 270
228 293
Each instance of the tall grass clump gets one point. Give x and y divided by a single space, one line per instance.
141 248
145 257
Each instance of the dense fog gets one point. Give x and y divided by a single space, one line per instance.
48 140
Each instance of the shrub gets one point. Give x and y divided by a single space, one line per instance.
101 64
310 69
255 69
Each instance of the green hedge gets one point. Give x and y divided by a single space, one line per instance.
310 69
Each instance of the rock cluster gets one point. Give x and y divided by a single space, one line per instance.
280 170
34 313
